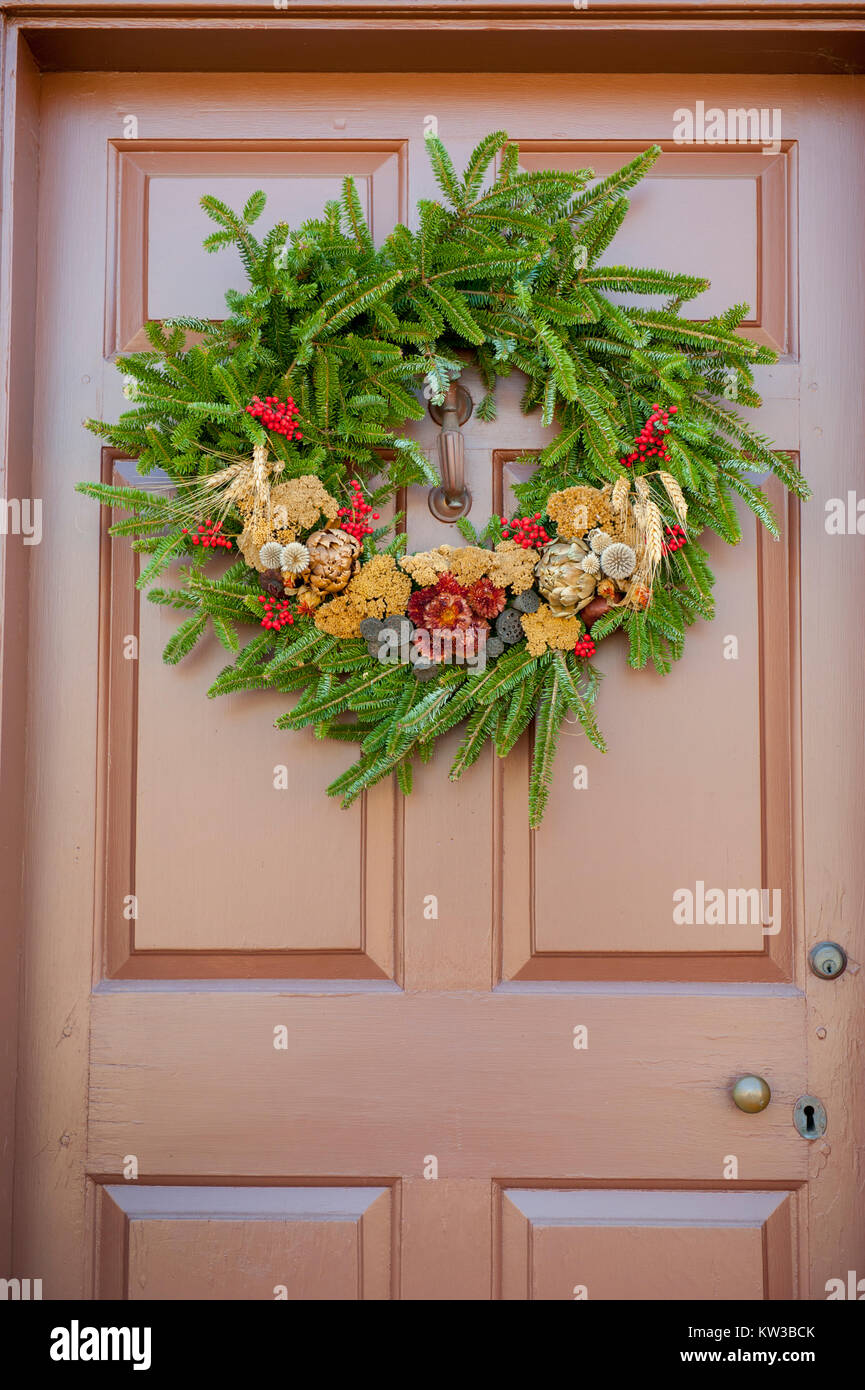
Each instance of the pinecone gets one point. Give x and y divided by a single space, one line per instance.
332 559
562 580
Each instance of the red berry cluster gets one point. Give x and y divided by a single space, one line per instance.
354 518
276 614
525 530
675 538
585 647
650 441
274 414
209 535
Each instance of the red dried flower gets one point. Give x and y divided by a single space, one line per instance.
448 583
445 607
447 612
418 602
486 599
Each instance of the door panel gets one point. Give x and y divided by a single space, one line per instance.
433 1127
155 263
304 1243
734 824
487 1084
176 766
719 211
599 1244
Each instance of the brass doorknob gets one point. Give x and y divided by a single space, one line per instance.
751 1094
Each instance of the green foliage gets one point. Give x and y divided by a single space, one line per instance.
550 713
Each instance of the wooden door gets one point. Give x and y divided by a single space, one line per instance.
507 1068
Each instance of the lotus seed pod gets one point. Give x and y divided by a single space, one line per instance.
399 624
528 602
495 646
509 626
370 628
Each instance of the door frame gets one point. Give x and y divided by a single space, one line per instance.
169 35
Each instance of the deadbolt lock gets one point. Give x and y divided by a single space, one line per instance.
827 959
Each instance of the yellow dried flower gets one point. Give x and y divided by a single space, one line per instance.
426 566
514 568
342 616
295 505
378 590
380 583
545 632
299 504
249 546
577 509
508 566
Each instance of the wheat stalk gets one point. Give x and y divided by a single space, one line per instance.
244 484
620 492
654 533
642 487
675 494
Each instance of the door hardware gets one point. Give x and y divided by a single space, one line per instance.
827 959
452 499
809 1117
751 1094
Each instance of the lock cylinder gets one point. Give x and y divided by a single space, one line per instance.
827 959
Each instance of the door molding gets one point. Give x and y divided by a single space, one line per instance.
492 36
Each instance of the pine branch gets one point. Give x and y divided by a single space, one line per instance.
551 710
478 729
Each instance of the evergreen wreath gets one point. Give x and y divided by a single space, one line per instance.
322 359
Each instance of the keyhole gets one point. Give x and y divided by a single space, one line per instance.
810 1127
828 968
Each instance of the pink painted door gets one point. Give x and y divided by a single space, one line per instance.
507 1067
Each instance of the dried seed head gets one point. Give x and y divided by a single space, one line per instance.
618 560
270 555
294 558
